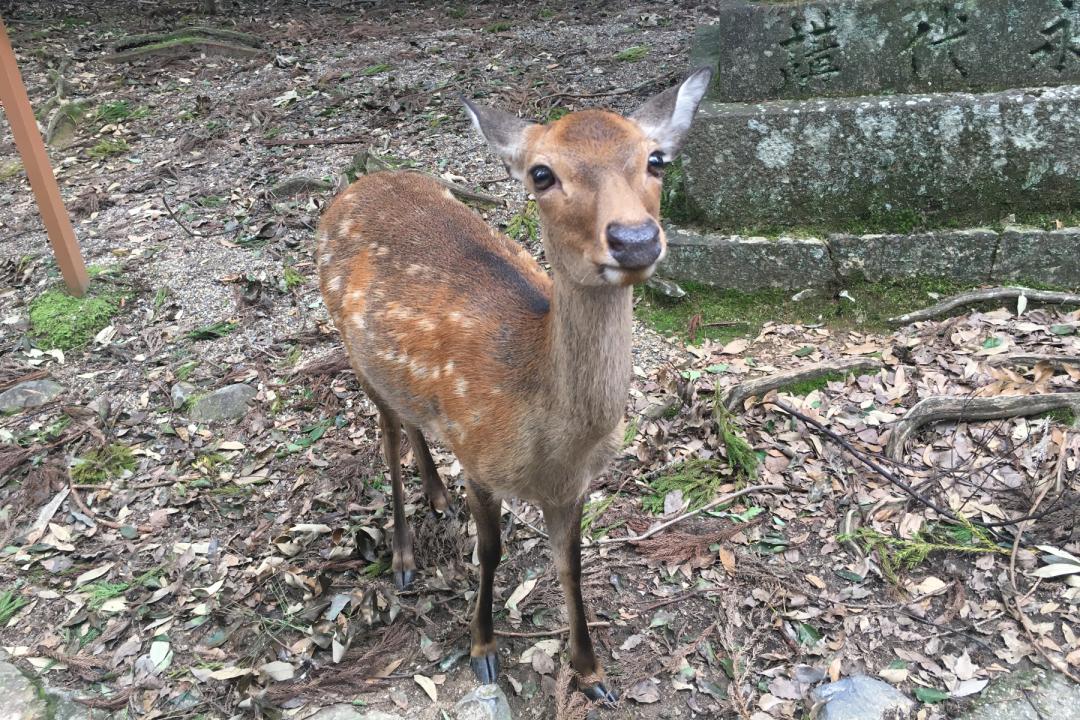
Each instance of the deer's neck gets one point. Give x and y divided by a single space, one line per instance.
591 334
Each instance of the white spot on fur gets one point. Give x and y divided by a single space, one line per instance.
358 320
425 324
383 250
326 258
462 387
448 367
335 284
446 193
346 226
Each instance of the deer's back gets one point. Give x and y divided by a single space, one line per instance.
443 318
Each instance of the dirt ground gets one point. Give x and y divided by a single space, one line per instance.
241 566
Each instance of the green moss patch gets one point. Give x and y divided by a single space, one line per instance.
60 320
102 464
725 314
806 387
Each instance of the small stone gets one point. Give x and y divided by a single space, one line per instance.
860 698
348 712
180 394
487 702
21 700
29 394
228 403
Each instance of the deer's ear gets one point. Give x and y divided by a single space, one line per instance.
666 117
504 133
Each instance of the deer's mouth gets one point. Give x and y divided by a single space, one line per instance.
622 276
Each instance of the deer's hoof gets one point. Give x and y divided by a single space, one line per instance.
486 667
404 578
599 693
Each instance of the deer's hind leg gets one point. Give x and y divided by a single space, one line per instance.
404 566
434 488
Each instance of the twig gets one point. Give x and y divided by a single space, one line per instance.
527 524
893 479
606 93
548 633
36 375
708 506
343 140
943 408
74 495
977 296
184 227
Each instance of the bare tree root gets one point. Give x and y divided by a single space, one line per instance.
1033 359
738 394
202 39
978 296
943 408
373 163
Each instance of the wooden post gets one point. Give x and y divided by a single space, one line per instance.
36 162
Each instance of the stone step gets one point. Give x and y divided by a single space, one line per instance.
767 50
1014 255
944 158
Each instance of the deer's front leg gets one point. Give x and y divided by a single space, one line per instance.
484 654
564 527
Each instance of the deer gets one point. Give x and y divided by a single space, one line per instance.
456 332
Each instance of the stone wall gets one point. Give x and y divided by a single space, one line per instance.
836 115
798 50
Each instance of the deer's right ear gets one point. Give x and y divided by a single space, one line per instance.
504 133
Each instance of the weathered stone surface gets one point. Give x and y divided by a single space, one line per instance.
951 156
29 394
20 697
180 393
227 403
976 256
1027 695
349 712
487 702
746 263
766 50
1049 257
860 698
966 255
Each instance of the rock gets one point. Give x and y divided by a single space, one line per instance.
29 394
894 160
227 403
1048 257
487 702
764 50
349 712
965 255
860 698
1027 694
746 264
180 393
300 184
20 696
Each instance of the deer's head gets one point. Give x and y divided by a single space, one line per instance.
597 176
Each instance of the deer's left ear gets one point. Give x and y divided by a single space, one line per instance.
504 133
666 117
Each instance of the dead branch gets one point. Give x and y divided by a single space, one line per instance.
870 462
944 408
1033 359
708 506
343 140
978 296
736 395
548 633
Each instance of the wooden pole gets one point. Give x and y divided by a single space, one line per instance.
32 149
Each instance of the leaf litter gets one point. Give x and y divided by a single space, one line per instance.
243 566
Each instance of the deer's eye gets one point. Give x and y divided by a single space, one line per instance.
542 177
656 162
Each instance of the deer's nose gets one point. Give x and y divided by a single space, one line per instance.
634 247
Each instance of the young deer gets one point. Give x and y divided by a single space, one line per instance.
454 330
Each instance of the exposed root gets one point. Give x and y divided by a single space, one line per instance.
738 394
202 39
944 408
978 296
1033 359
